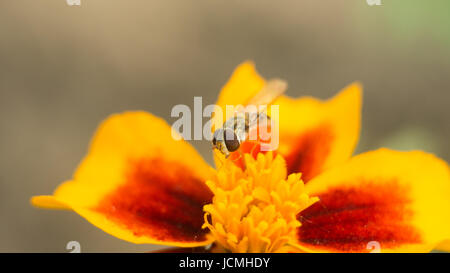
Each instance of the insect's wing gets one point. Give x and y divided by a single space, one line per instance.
269 93
254 109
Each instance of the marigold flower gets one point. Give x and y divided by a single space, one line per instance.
139 184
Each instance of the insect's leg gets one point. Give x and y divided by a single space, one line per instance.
254 147
237 158
241 155
216 155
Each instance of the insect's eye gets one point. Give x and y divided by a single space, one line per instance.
231 140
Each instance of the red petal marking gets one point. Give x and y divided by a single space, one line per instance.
346 219
160 200
309 151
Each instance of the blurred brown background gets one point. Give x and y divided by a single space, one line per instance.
63 69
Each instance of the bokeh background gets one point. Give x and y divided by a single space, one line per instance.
63 69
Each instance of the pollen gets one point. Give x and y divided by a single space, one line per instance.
255 209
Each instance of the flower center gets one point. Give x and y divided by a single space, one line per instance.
254 210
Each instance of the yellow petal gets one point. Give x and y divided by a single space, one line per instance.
444 246
316 135
139 184
396 199
244 83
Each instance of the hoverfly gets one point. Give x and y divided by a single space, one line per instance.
235 130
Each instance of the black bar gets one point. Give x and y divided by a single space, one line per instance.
207 262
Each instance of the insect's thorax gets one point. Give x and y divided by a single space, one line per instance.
239 124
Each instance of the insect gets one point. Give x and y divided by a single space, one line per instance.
235 130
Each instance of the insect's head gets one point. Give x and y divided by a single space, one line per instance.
226 141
